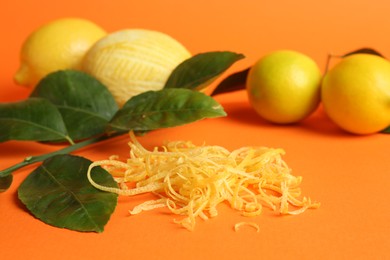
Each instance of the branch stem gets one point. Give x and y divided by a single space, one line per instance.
34 159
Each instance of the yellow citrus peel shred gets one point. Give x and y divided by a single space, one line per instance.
192 180
251 224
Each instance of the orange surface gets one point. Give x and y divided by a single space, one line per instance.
348 174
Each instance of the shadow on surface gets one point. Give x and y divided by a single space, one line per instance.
317 122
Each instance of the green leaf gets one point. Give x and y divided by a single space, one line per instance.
363 50
33 119
234 82
165 108
200 70
85 104
59 193
5 182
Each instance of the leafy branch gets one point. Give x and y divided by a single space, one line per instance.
73 107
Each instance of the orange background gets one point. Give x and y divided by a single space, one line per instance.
348 174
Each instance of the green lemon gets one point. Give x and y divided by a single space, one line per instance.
284 86
356 93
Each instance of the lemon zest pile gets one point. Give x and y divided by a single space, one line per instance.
192 180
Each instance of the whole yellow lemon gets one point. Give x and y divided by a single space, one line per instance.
59 44
284 86
356 93
132 61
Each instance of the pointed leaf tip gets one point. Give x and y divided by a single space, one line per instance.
34 119
202 69
165 108
5 182
233 82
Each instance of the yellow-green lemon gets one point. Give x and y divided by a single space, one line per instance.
59 44
133 61
356 93
284 86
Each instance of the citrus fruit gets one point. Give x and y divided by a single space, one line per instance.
284 86
59 44
133 61
356 93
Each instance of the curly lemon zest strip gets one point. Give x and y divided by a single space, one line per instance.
148 205
192 181
251 224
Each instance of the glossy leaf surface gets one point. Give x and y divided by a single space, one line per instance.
85 104
165 108
59 193
33 119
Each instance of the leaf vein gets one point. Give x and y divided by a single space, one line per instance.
65 188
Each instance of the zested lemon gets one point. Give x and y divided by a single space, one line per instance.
59 44
133 61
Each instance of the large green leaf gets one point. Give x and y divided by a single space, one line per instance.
59 193
33 119
5 182
85 104
200 70
165 108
